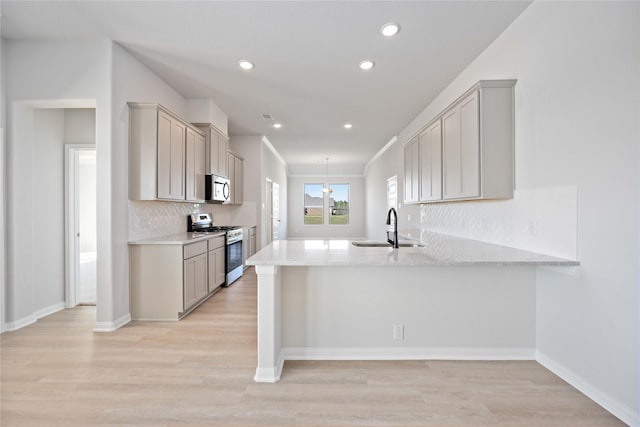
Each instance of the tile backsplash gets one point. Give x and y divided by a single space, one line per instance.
538 220
149 219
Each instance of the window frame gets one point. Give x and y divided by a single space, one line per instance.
326 204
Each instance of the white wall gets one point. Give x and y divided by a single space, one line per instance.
577 112
388 165
445 311
41 74
274 169
43 160
357 224
3 252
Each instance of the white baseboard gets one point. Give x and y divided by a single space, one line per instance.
406 353
270 374
43 312
20 323
624 413
32 318
112 326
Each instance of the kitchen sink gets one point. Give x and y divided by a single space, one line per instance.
381 244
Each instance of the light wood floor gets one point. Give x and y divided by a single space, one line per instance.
199 372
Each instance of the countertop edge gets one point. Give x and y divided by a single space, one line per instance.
175 239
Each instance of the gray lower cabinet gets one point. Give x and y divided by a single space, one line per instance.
195 282
217 273
168 280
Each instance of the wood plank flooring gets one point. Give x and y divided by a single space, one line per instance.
199 371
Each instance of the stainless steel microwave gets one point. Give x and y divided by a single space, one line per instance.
216 189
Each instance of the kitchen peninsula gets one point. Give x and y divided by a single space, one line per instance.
452 298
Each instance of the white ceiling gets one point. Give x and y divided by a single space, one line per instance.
306 55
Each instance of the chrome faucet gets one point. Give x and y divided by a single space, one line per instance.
394 242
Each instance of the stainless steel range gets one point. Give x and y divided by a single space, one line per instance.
203 223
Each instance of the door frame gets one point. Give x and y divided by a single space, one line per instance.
275 211
72 251
268 213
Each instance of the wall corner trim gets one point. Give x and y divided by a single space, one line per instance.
617 408
112 326
275 152
380 153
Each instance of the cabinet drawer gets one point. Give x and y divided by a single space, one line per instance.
216 242
194 249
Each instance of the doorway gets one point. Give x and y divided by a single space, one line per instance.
80 227
268 210
275 210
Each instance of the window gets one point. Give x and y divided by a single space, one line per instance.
339 204
332 204
313 204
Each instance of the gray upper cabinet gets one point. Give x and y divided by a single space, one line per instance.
461 150
171 146
166 156
431 163
195 166
466 152
216 146
411 171
235 170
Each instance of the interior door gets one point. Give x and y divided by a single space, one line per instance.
80 224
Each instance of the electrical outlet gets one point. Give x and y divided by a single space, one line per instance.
409 217
398 332
532 230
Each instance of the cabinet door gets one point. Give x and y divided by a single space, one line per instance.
411 175
431 163
231 167
213 165
195 165
461 150
216 268
195 280
171 142
223 145
252 245
238 174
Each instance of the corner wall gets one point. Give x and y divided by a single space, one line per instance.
577 125
274 169
41 74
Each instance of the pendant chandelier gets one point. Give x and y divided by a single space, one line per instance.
326 188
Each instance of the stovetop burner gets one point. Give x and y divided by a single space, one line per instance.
222 228
204 223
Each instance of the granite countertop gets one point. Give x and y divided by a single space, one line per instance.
176 239
438 249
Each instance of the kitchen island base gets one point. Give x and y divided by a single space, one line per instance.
352 312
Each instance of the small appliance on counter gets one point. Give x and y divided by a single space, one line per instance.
203 223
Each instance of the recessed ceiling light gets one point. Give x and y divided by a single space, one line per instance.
390 29
277 125
246 65
348 125
366 64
